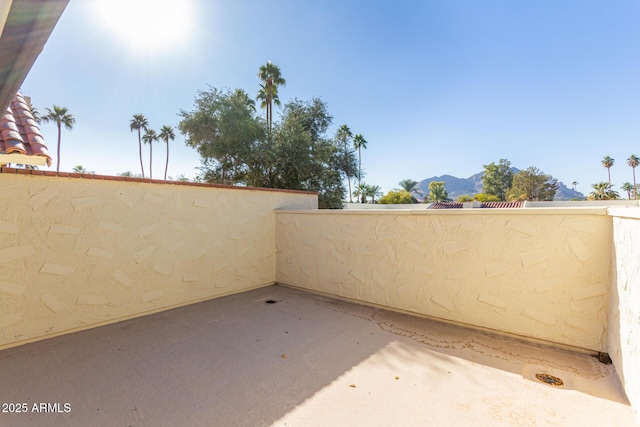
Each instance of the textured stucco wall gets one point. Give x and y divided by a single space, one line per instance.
77 252
624 317
540 273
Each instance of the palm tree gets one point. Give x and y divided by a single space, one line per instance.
271 77
344 135
634 161
603 191
166 133
80 169
374 191
61 116
410 186
607 162
359 143
361 192
148 138
139 123
438 192
574 184
627 187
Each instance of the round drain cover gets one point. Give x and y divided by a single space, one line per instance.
550 379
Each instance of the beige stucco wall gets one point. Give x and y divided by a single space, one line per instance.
540 273
77 252
624 314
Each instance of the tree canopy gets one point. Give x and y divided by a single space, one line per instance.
396 197
497 179
237 149
532 184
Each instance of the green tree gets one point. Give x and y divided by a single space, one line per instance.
359 143
271 78
465 198
344 137
80 169
628 188
60 116
396 197
634 161
166 134
603 191
482 197
531 184
148 138
224 130
411 187
139 123
497 179
607 162
438 192
373 191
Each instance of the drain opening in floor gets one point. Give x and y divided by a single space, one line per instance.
550 379
270 301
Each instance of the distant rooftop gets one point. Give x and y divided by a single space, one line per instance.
491 205
21 141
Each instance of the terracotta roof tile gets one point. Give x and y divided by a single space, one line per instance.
19 132
491 205
446 205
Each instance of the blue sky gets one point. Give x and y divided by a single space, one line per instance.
435 86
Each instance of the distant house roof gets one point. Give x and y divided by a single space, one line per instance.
491 205
21 141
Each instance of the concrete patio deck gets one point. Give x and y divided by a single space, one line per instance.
305 360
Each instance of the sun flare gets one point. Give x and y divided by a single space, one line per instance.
147 25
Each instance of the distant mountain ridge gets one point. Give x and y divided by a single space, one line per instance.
469 186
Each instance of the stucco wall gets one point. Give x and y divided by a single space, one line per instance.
80 252
540 273
624 314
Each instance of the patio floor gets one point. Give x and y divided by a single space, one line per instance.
305 360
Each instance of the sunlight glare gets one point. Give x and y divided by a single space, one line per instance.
147 25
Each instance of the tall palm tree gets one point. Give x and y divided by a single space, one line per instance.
634 161
271 78
344 136
627 187
607 162
61 116
148 138
359 143
574 184
166 133
139 123
603 191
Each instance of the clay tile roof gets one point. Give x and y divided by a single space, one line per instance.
447 205
503 205
20 138
492 205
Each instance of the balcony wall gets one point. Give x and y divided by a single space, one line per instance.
624 313
76 253
539 273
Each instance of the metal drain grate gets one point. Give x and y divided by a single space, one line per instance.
550 379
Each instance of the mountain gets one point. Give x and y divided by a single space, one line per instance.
468 186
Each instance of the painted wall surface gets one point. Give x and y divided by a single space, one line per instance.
76 252
624 317
540 273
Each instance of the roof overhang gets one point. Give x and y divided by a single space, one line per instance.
25 27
